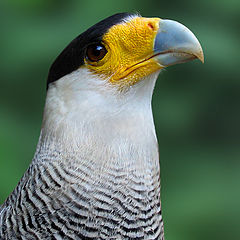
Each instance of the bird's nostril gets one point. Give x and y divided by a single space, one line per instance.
150 25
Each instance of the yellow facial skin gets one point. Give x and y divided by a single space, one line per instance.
130 50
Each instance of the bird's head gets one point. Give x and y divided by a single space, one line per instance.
125 48
119 56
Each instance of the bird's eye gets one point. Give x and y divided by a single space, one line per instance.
96 52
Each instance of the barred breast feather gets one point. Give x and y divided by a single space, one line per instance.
82 201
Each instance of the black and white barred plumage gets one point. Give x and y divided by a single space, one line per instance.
74 201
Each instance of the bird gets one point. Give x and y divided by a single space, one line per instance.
96 173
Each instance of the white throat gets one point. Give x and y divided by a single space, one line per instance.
91 117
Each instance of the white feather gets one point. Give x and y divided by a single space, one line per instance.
90 116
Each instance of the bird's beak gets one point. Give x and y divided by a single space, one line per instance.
174 43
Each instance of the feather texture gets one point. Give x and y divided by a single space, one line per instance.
95 173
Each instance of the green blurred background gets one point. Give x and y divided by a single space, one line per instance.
196 107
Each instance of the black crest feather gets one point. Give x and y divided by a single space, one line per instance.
72 57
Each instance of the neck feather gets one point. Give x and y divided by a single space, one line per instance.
93 119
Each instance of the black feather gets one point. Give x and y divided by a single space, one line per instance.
72 57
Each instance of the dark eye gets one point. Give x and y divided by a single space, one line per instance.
96 52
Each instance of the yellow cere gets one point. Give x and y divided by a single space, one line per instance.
130 52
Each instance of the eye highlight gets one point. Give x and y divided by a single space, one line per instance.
95 52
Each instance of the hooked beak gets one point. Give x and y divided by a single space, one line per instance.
174 43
